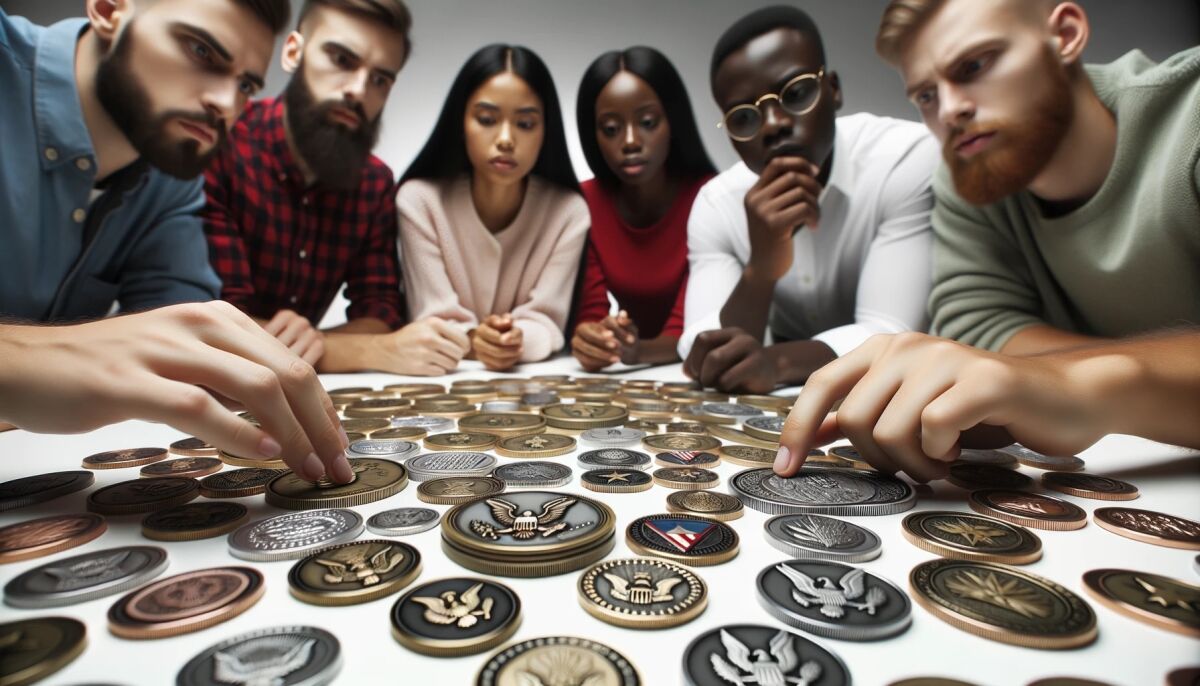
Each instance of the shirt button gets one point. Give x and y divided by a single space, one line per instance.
79 215
303 254
51 154
305 200
293 299
283 177
806 279
83 163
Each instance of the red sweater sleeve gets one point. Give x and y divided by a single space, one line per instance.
674 325
593 302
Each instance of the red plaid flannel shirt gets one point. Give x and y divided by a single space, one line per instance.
278 245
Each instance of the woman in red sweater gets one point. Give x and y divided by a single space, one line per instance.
639 137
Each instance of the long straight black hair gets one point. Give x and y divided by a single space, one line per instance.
445 154
686 157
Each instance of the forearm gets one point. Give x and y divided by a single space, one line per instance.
352 352
15 344
796 360
749 304
660 350
1042 338
361 325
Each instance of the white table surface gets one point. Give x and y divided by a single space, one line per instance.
1127 652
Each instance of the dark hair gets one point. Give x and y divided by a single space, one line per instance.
763 21
273 13
392 14
445 153
687 157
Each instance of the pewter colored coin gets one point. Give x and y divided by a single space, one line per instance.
686 458
756 655
143 495
973 476
558 660
534 474
391 449
39 488
834 600
734 410
615 480
402 521
766 428
620 458
992 457
500 406
822 538
539 399
1032 458
280 656
294 535
194 521
85 577
433 425
818 490
455 617
443 464
614 437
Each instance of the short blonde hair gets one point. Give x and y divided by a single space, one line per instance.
902 19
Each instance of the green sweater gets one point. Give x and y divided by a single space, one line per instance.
1126 262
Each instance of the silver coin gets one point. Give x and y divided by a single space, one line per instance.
281 656
533 474
433 425
441 464
613 437
613 457
994 458
818 537
539 399
823 491
834 600
392 449
773 424
403 521
500 406
294 535
1032 458
737 653
85 577
730 410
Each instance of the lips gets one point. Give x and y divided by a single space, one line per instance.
970 144
787 150
200 132
503 163
345 116
633 165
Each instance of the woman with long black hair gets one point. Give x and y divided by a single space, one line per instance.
492 225
640 138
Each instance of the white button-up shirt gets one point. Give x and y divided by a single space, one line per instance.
866 270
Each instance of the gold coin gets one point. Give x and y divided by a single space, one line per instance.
238 483
686 428
686 478
1156 600
128 457
642 425
771 403
239 461
579 416
452 490
517 567
536 445
642 593
968 536
379 407
355 572
40 647
460 441
406 433
681 441
365 425
503 424
455 617
738 436
489 527
747 456
374 479
351 393
411 390
719 506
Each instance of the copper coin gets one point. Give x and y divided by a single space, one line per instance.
194 467
186 602
1089 486
238 483
39 488
47 535
193 521
38 647
1029 509
1156 600
1150 527
972 476
407 433
143 495
192 447
128 457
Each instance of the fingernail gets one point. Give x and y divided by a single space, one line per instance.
782 458
345 438
269 447
313 469
341 470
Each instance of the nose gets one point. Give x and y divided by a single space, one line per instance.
955 109
631 142
223 102
355 87
776 120
504 139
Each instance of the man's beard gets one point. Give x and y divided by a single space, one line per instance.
335 154
128 104
1019 150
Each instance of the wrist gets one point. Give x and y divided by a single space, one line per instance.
1107 388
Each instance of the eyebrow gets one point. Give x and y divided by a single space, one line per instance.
222 52
349 51
946 66
524 110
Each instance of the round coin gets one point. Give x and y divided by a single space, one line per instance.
990 457
503 424
496 406
1003 604
558 660
85 577
728 433
535 445
642 425
1029 509
250 462
194 467
374 479
834 600
444 464
355 572
692 540
1089 486
378 407
820 490
31 490
1150 527
642 593
617 458
47 535
460 441
727 413
968 536
128 457
238 483
184 603
973 476
616 480
451 490
193 521
534 474
143 495
41 647
745 651
1155 600
433 425
771 403
1032 458
281 656
681 442
766 428
747 456
686 478
456 617
686 428
816 537
686 458
581 416
402 433
393 449
365 425
718 506
402 521
614 437
294 535
192 447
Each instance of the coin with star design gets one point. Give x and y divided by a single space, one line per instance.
686 478
616 480
969 536
1156 600
536 445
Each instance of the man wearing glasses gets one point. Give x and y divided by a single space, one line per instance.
820 235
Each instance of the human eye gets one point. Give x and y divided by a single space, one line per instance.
609 128
649 121
528 124
198 50
973 67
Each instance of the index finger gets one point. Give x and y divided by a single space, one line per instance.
453 333
786 163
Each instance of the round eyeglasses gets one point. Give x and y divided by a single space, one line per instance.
798 97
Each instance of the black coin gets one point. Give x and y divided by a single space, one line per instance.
755 654
973 476
39 488
283 656
616 479
143 495
238 483
193 521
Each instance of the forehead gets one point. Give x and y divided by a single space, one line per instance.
238 30
626 89
507 91
368 39
765 60
958 26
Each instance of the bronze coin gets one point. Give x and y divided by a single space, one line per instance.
747 456
238 483
686 428
686 478
143 495
719 506
1156 600
406 433
1150 527
365 425
193 521
973 476
194 467
355 572
47 535
374 479
185 602
36 648
192 447
1029 509
681 441
452 490
128 457
1089 486
967 536
461 441
40 488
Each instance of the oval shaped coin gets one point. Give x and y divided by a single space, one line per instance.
534 474
85 577
31 490
293 535
615 458
402 433
402 521
642 425
444 464
238 483
819 490
365 425
355 572
580 416
1149 598
374 479
503 424
816 537
47 535
692 540
387 448
458 440
127 457
1089 486
745 651
991 457
742 440
1032 458
451 490
686 458
558 660
616 480
967 536
280 656
613 436
378 407
686 478
1029 509
46 645
973 476
1147 526
727 413
642 593
834 600
455 617
766 428
535 445
433 425
143 495
1003 604
747 456
192 447
184 603
193 521
686 428
681 441
194 467
718 506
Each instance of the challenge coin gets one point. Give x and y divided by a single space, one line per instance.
451 490
282 655
752 654
642 593
128 457
535 445
1149 598
403 521
185 602
820 490
31 490
834 600
294 535
681 442
616 458
355 572
194 467
85 577
48 535
719 506
692 540
1029 509
143 495
817 537
558 660
238 483
967 536
1150 527
686 478
374 479
47 644
1089 486
193 521
455 617
533 474
616 480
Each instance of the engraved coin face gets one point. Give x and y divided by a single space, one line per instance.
834 600
747 456
450 463
686 458
558 660
822 538
143 495
1032 458
1029 509
451 490
390 448
616 480
584 415
684 538
613 436
294 535
973 476
1146 526
642 593
84 577
46 535
238 483
40 488
755 654
195 467
967 536
433 425
533 474
686 478
456 616
403 521
818 490
766 428
458 440
281 656
535 445
1156 600
686 428
719 506
622 458
128 457
185 602
503 423
192 447
374 479
39 647
355 572
736 410
528 522
1089 486
1003 604
193 521
681 441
